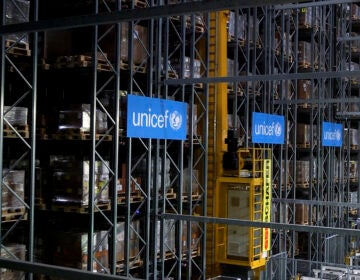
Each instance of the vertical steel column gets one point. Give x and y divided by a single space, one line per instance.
35 60
2 94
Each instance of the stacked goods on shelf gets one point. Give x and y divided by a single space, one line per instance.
303 172
351 138
13 251
304 89
70 180
307 55
70 249
309 17
169 230
13 191
194 119
302 214
284 45
192 245
304 135
135 186
77 117
191 184
351 167
139 44
17 11
134 243
241 27
188 69
16 116
352 66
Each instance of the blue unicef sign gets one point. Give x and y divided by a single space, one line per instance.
267 128
331 134
156 118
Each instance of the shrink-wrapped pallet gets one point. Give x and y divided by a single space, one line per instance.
241 26
13 251
191 184
17 11
70 180
78 117
168 243
134 241
189 70
350 139
13 189
70 249
16 116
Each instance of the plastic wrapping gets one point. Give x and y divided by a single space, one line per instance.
71 180
10 251
134 241
196 68
17 11
13 182
241 27
78 117
16 115
169 227
70 248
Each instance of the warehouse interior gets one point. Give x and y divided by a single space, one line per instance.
264 183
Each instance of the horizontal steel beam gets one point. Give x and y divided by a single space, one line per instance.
266 77
58 271
137 14
277 226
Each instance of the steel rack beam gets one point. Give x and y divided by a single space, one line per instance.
139 14
56 271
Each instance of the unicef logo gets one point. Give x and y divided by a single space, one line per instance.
338 135
175 120
278 129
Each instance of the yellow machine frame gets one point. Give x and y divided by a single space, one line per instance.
253 181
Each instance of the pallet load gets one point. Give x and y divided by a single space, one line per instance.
307 55
169 229
70 181
241 27
139 44
77 117
70 249
16 251
13 189
134 245
17 11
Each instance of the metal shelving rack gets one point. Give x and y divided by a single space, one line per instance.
267 72
191 153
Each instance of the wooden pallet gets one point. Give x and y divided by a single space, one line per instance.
352 147
169 255
82 209
303 145
11 214
80 61
135 67
232 38
133 263
194 197
170 194
304 185
23 131
133 199
17 48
